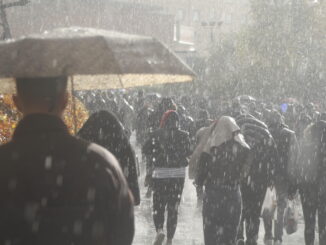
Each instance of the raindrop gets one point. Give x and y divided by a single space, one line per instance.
48 163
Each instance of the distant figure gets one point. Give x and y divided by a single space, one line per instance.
222 162
264 156
167 149
54 188
288 150
104 128
312 181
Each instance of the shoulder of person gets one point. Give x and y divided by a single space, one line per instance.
102 156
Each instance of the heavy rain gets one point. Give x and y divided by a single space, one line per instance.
184 122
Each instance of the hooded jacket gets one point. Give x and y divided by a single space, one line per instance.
104 128
263 153
223 155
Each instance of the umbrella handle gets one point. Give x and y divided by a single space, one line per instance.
73 100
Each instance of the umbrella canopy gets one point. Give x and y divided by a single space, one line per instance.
97 59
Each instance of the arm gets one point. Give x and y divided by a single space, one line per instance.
114 202
203 168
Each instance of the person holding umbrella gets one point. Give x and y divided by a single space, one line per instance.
56 189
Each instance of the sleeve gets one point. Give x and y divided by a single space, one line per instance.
132 177
273 160
148 146
293 168
114 202
203 168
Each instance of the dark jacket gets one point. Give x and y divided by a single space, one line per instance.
223 166
56 189
103 128
263 153
312 162
288 151
168 148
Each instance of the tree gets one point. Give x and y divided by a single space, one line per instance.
281 53
6 34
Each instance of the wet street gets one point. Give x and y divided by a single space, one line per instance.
189 230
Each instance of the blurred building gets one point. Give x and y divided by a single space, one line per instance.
184 25
202 23
124 16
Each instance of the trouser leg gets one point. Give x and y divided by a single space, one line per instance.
268 224
172 208
282 199
253 217
322 220
309 207
159 204
221 217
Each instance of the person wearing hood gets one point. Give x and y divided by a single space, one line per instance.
167 149
104 128
221 165
312 181
263 157
288 150
165 105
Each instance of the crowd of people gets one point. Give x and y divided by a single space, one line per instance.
58 189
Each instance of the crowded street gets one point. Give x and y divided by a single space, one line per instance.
162 122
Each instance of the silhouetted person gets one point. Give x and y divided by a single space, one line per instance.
104 128
54 188
167 149
221 164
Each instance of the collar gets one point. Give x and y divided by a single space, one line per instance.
39 123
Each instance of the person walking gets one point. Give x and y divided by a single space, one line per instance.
168 149
312 184
55 188
221 164
264 157
288 150
105 129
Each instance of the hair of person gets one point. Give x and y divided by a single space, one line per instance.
169 119
41 91
32 89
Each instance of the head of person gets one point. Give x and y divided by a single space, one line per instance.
203 115
167 104
46 95
170 120
274 119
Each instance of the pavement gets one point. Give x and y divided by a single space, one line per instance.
190 229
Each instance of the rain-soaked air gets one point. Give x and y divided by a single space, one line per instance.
162 122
